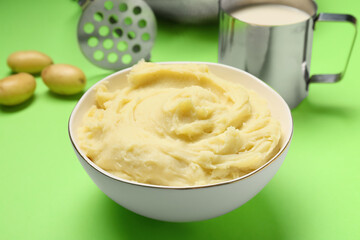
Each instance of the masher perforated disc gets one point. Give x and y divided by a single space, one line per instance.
115 34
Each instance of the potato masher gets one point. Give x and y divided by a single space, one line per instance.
115 34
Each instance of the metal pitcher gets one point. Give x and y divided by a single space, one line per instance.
278 55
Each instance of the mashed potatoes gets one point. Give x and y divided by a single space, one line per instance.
178 125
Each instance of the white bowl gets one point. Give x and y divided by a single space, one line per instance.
180 204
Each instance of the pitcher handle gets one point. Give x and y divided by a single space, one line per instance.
332 17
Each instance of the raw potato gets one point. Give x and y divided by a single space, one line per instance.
28 61
16 88
64 79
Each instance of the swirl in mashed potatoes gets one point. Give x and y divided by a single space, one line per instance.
178 125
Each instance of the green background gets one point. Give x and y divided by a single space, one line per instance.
45 193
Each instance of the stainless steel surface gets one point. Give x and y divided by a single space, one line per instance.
115 34
186 11
278 55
